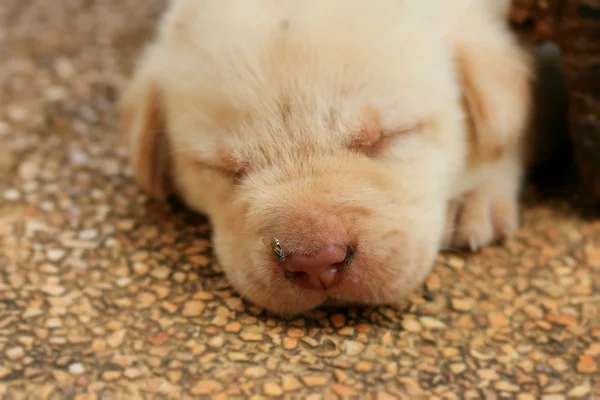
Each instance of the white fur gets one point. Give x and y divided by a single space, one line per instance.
260 102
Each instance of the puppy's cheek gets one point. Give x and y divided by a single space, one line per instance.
420 252
407 278
238 256
397 255
231 250
254 276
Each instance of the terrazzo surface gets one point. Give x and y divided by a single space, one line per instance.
106 295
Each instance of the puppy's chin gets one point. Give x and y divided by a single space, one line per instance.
393 232
369 281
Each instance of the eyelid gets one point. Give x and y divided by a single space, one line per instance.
229 161
219 165
373 147
403 130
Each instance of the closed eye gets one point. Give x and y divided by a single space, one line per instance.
224 164
403 130
373 144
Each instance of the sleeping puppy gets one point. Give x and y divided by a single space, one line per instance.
336 145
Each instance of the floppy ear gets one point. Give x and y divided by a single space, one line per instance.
495 75
144 124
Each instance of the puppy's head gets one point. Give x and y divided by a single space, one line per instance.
323 140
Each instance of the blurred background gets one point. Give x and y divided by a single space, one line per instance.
105 294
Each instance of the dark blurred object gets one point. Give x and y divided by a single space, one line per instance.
549 147
534 19
574 25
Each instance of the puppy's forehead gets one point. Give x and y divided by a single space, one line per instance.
288 75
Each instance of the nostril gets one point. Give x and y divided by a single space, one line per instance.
350 252
323 279
319 270
299 277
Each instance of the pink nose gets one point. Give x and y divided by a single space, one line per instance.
319 270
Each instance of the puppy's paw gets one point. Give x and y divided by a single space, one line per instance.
482 217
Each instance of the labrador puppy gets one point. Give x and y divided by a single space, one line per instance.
336 145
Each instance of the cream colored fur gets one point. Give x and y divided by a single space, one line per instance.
392 125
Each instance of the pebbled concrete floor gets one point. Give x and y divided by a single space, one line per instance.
106 295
